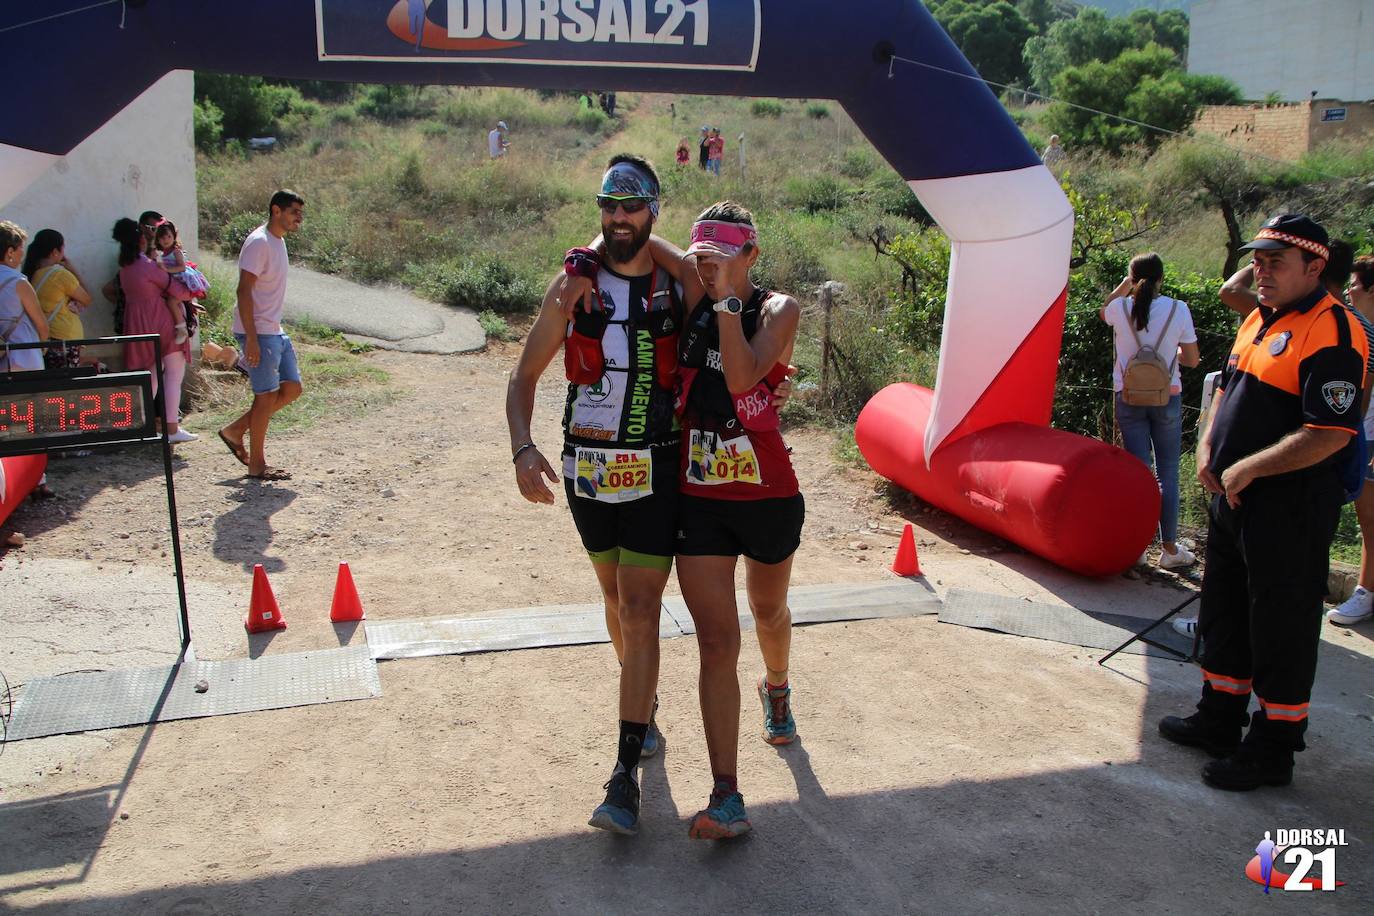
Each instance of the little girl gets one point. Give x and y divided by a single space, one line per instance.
684 152
170 259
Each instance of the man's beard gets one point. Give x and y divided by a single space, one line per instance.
622 252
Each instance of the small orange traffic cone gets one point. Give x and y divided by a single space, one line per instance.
263 613
906 563
346 605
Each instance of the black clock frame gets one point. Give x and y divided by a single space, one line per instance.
55 380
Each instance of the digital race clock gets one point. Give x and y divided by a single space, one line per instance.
40 412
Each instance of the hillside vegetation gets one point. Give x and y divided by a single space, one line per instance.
401 190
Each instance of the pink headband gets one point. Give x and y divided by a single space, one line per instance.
720 236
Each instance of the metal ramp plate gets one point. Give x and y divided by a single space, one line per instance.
134 696
1056 622
581 624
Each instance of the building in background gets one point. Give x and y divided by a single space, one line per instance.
141 159
1286 131
1297 50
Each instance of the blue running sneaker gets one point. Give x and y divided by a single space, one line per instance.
619 813
723 818
653 738
778 725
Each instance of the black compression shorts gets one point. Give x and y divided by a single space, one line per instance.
764 530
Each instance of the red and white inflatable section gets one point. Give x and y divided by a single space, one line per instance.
980 445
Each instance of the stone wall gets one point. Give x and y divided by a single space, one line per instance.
1283 131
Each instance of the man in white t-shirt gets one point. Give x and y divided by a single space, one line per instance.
497 142
267 352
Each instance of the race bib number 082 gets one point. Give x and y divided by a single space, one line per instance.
614 475
713 461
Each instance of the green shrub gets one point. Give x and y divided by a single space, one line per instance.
787 259
857 163
486 285
817 111
766 108
233 233
591 120
250 105
891 195
390 102
817 194
434 129
494 326
208 125
343 115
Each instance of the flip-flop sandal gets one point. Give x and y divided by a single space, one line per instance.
271 474
237 451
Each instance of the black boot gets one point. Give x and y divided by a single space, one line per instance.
1201 730
1254 764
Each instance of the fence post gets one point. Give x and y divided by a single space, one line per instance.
741 158
827 299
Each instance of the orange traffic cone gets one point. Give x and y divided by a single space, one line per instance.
263 613
346 605
906 563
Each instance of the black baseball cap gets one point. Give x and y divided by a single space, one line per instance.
1292 230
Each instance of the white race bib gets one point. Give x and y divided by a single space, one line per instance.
712 460
611 475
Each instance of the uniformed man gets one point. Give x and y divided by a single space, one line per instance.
1287 407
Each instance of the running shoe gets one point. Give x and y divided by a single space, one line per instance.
653 738
619 813
723 818
778 725
1185 626
1179 559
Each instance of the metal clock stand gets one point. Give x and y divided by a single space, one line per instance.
51 432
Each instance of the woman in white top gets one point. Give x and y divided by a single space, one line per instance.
1135 309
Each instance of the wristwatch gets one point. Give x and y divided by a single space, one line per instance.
730 304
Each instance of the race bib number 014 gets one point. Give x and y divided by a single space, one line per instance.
613 475
713 460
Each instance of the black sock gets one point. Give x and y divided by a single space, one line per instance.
631 741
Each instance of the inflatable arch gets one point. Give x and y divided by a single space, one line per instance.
1009 224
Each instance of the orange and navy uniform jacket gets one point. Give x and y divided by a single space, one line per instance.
1303 365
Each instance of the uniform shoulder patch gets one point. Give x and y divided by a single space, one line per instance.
1339 395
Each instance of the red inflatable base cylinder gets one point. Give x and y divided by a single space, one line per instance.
1079 503
22 473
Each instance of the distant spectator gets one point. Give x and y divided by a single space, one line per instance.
498 141
704 148
716 146
684 153
610 104
1142 319
146 288
1054 154
61 295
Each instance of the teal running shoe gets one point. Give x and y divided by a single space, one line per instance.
723 818
619 813
778 725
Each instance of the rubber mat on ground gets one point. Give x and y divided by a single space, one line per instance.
1056 622
87 701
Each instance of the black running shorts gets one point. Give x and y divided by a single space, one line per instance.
764 530
635 533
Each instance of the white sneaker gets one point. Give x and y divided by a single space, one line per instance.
182 435
1180 559
1357 608
1186 626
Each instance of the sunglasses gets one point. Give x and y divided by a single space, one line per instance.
628 204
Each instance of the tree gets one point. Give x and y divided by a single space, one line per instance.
1143 85
1090 36
991 34
1041 14
1168 29
1187 172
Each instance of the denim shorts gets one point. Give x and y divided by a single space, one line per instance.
276 363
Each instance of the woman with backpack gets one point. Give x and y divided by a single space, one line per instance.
1154 335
